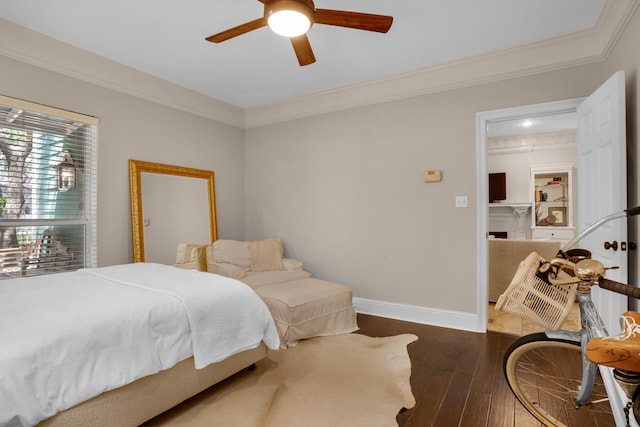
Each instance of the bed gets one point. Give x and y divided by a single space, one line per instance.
118 345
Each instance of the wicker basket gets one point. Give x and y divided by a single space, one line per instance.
532 298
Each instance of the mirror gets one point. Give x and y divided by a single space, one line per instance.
169 205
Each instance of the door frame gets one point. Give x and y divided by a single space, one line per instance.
482 188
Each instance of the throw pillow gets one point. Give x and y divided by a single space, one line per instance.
192 253
233 252
266 255
199 257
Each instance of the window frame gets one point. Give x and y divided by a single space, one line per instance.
86 219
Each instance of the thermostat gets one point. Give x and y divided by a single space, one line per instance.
433 176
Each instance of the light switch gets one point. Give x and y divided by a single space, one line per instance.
461 202
432 176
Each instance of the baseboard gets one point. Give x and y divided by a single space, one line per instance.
417 314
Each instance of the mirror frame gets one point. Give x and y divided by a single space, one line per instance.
136 168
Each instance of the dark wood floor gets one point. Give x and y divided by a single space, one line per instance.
456 376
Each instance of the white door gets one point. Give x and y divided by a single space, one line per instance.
602 186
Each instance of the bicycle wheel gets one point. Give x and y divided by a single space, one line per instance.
545 374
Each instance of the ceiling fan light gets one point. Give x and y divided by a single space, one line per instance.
289 18
289 23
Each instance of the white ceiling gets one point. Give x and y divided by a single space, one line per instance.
165 38
533 124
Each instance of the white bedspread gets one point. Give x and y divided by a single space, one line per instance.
68 337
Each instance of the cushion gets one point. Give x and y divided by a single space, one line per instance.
225 269
309 307
266 255
194 254
232 252
292 264
264 278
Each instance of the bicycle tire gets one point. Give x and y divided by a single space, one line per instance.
544 375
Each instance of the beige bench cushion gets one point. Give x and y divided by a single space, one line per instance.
506 255
264 278
309 307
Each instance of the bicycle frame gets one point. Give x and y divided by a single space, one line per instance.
592 326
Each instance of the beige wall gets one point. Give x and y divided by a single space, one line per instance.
344 189
131 128
626 56
345 192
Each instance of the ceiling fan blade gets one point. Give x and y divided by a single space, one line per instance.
238 31
357 20
303 50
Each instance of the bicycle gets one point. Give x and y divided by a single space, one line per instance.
550 373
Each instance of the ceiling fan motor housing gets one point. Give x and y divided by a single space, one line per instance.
293 18
305 7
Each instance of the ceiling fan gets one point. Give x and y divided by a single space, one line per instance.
292 18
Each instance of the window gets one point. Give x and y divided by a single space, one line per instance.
48 189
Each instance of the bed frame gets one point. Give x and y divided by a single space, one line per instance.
137 402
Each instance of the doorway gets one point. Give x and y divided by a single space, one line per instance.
483 120
602 161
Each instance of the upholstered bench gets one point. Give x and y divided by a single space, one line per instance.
302 306
309 307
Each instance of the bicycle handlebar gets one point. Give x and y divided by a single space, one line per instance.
601 222
633 211
621 288
548 271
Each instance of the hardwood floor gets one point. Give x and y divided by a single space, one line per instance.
499 321
456 376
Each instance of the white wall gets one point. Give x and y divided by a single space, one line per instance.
517 164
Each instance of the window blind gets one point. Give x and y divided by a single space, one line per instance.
48 189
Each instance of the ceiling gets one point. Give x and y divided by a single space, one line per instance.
534 124
166 38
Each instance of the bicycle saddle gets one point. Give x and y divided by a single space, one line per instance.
622 351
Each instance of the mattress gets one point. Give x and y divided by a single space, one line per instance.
73 336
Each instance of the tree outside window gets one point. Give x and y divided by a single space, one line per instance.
47 190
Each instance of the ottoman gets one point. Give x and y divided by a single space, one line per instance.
309 307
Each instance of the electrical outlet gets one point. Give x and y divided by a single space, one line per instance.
461 202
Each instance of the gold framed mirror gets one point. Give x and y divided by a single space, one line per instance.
179 196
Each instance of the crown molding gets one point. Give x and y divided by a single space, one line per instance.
529 142
557 53
33 48
547 55
613 20
580 48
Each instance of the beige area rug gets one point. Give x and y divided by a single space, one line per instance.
345 380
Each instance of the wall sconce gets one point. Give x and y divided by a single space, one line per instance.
66 173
